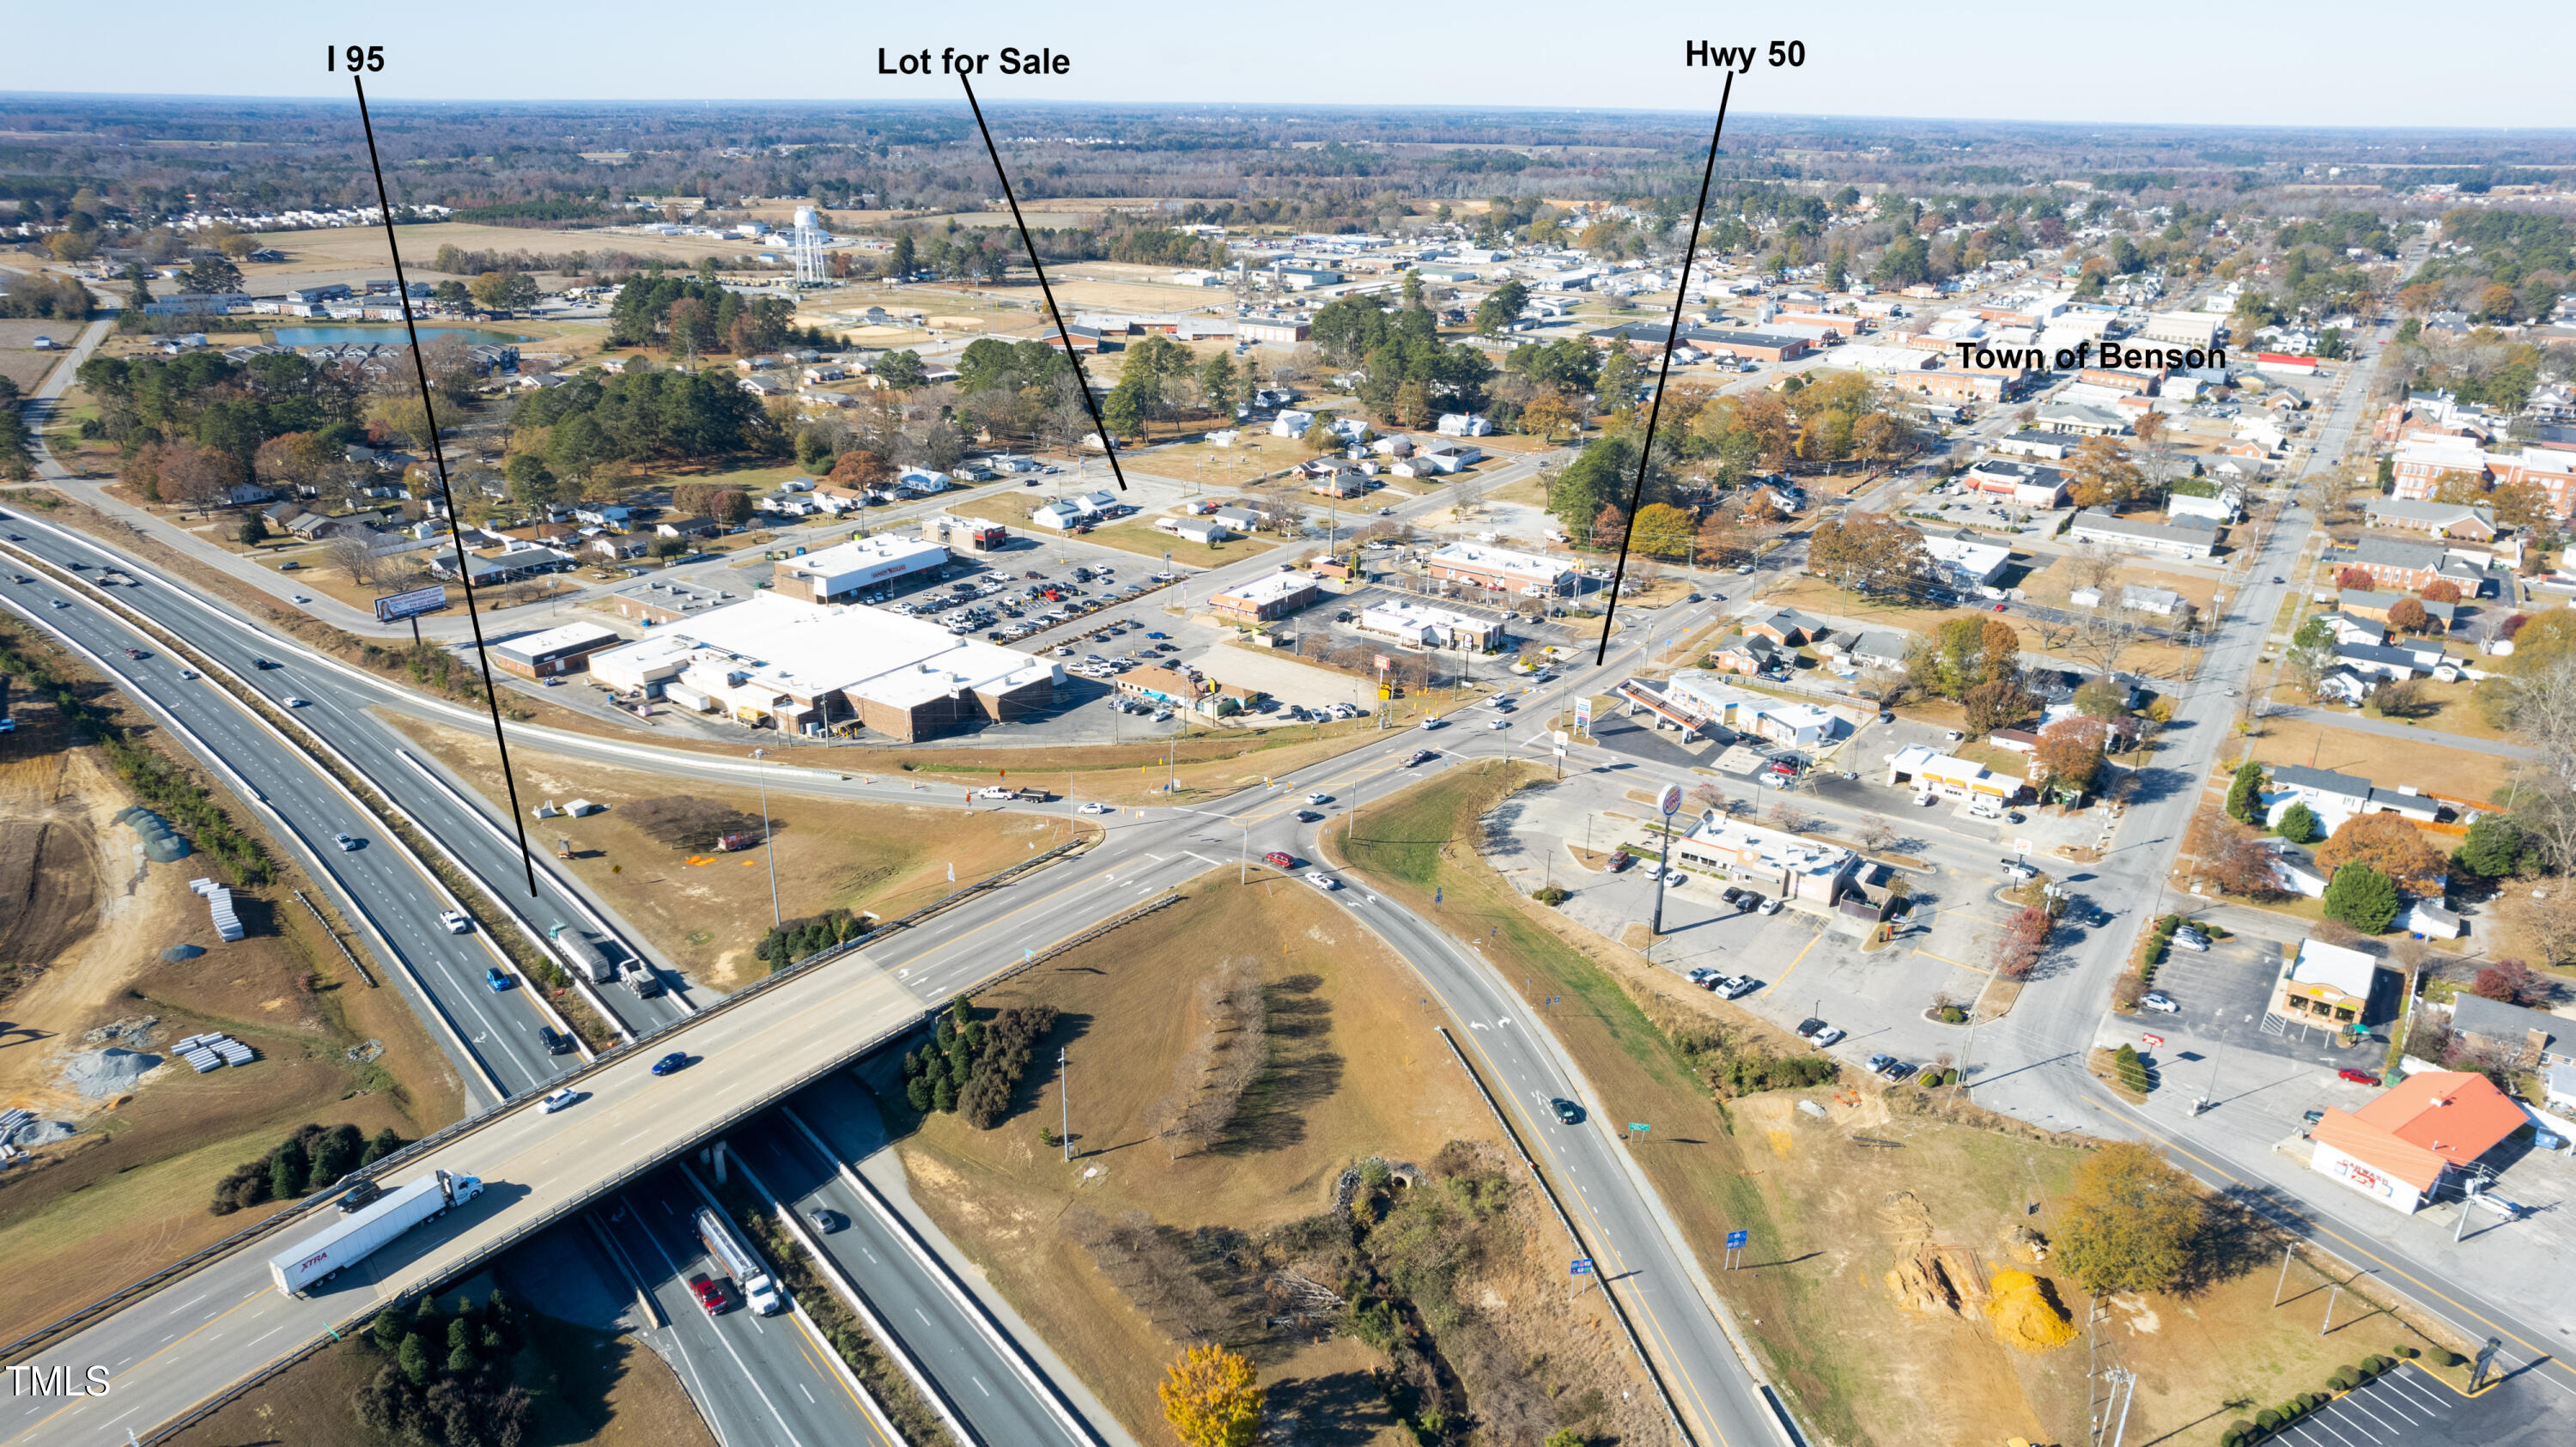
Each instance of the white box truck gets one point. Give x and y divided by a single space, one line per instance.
719 1240
347 1241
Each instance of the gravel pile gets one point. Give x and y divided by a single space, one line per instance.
98 1074
39 1133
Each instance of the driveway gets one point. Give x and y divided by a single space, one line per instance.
2362 724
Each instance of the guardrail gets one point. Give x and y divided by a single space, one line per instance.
450 1134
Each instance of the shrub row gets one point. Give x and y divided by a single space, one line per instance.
974 1065
2244 1433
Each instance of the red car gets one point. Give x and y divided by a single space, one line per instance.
1999 607
1277 860
2358 1077
710 1294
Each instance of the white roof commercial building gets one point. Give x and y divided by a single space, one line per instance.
1967 565
856 568
794 665
1918 765
1787 866
1501 569
1428 627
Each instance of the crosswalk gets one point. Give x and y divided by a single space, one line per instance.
2275 1025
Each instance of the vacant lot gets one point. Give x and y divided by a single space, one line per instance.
706 910
2387 762
20 362
86 921
1813 595
1355 1071
1837 1204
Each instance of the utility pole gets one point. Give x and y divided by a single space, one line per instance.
776 918
2283 1284
1064 1100
2331 1297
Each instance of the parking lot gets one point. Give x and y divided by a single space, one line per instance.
2226 998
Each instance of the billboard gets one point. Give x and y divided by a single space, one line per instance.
1583 714
398 606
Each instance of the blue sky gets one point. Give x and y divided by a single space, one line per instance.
2179 62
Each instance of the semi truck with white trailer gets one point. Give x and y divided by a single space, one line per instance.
585 955
346 1242
729 1253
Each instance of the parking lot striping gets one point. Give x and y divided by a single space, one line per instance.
1945 959
1793 962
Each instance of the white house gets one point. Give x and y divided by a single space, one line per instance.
1464 424
1291 423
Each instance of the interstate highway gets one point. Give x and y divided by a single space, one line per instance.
548 1164
338 698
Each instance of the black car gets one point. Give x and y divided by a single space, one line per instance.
555 1043
357 1196
1421 756
1567 1111
1307 816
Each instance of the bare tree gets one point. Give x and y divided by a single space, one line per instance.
353 557
2092 567
1876 834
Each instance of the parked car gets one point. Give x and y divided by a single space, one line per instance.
2160 1002
1732 895
672 1063
1701 977
2357 1077
1809 1027
1826 1036
2184 939
1771 904
1880 1064
561 1099
1620 861
1739 987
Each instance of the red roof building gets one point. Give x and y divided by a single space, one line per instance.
2398 1148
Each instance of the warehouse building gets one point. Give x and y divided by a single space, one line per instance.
857 568
774 661
555 651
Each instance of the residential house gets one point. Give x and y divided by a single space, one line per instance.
690 527
1786 628
2475 523
2528 1039
2183 537
1743 653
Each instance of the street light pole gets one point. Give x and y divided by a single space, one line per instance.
1064 1100
776 917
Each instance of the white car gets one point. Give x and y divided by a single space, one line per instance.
1319 798
1323 881
346 842
1826 1036
1500 723
457 921
1433 723
1094 807
293 702
2188 941
2160 1002
560 1099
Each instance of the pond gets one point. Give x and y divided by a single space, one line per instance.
320 336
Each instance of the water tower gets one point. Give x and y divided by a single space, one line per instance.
806 246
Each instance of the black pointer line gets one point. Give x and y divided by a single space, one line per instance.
1081 377
438 454
1663 379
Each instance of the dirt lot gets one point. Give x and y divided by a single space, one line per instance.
359 248
1839 1204
707 910
20 362
128 1192
1355 1071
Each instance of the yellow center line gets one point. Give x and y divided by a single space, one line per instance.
811 1345
2319 1224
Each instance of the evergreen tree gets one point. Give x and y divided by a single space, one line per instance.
288 1169
2362 897
384 1143
413 1358
2245 796
2299 824
387 1329
2494 848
